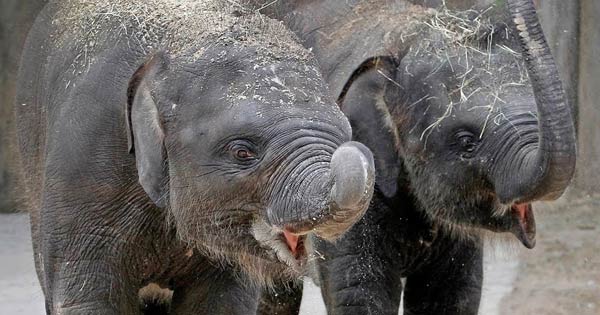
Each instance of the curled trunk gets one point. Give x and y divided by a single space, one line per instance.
329 200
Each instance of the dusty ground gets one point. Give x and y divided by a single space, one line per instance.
562 274
20 293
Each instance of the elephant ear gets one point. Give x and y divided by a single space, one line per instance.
362 101
145 134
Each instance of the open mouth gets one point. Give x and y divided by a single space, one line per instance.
523 225
284 245
295 243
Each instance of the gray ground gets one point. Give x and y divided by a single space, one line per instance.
20 292
561 276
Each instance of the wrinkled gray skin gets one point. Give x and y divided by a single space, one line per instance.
154 158
466 131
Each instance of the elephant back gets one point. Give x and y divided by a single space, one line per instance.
345 34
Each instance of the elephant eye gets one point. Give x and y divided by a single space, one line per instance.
466 142
242 152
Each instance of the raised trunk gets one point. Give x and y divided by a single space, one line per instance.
329 200
546 171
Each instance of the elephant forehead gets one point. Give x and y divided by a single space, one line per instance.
288 87
241 98
462 79
250 118
284 84
236 75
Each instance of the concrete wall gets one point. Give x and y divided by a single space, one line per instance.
588 175
16 17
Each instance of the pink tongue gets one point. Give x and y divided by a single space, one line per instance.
291 240
522 209
525 230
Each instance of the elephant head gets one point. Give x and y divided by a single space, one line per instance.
246 151
469 113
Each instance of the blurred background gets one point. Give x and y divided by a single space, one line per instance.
560 276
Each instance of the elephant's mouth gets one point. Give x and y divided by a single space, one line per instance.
284 246
523 223
295 243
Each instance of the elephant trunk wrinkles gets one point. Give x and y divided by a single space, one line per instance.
546 171
330 199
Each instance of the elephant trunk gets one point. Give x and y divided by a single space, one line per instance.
546 170
329 200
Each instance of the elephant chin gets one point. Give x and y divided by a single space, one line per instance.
282 245
517 219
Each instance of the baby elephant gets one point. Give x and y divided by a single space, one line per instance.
468 122
181 145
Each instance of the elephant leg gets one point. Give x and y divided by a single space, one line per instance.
87 265
357 273
284 299
89 286
219 293
450 283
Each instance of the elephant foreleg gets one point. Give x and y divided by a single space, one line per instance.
449 283
356 274
220 293
89 287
